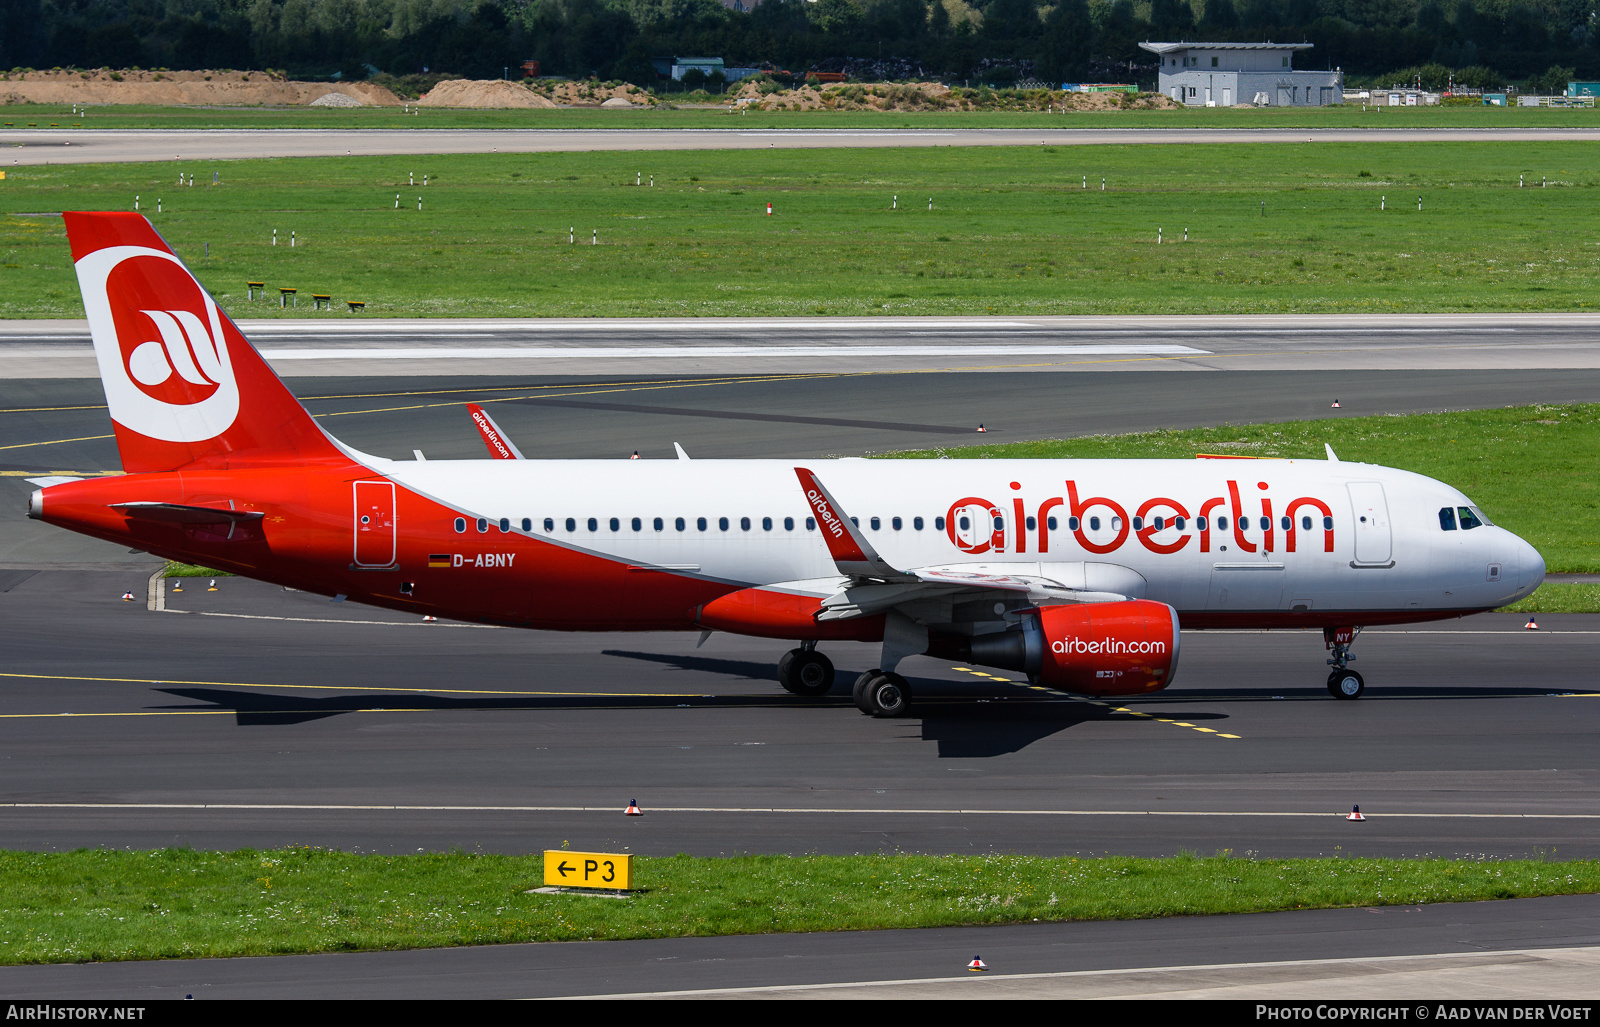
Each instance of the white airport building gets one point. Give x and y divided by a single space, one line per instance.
1226 74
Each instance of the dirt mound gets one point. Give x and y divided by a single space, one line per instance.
466 92
617 101
178 88
590 93
336 100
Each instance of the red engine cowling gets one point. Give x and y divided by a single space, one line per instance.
1124 648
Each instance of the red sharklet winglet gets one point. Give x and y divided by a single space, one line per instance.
182 383
850 550
500 447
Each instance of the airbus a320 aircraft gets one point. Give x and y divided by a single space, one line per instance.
1078 573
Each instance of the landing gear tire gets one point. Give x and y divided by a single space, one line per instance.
858 691
887 695
1346 684
805 672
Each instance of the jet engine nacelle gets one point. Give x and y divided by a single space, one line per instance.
1125 648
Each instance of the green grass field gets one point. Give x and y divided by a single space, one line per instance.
94 905
1012 230
1531 469
120 116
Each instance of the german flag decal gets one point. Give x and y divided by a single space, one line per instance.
438 559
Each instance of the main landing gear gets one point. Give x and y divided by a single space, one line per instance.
804 671
1342 683
882 695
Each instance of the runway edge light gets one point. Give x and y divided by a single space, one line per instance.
977 964
1355 814
633 809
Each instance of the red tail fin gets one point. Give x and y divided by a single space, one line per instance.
181 381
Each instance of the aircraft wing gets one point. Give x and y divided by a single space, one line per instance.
500 447
954 583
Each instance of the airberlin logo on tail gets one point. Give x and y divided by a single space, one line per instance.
825 514
159 341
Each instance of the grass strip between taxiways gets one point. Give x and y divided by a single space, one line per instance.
92 905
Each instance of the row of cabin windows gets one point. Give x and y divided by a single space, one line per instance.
963 522
1468 519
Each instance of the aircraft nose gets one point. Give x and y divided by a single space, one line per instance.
1529 565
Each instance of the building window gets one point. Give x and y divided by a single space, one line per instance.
1213 62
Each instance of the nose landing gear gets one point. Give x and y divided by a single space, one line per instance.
1342 683
804 671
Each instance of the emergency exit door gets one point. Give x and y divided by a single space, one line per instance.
374 524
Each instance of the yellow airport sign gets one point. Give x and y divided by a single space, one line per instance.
607 870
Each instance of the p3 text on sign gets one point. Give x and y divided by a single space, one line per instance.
588 869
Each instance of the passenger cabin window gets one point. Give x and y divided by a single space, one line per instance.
505 524
766 524
678 524
896 523
658 524
938 524
1094 524
876 524
637 524
1469 520
788 524
916 522
1032 524
549 524
527 524
1072 524
1138 524
483 524
594 524
1327 524
700 522
811 524
572 524
722 524
744 524
1305 523
616 525
1222 524
461 524
1200 524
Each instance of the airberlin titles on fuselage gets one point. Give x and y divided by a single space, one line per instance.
1162 525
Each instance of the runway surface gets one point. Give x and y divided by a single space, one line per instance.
80 146
262 717
339 344
1482 950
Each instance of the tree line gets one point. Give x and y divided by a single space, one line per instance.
1479 42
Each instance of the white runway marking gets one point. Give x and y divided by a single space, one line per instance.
306 807
715 352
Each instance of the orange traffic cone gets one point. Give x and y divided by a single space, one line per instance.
633 809
1355 814
1335 404
977 964
635 455
428 618
1532 624
127 597
982 428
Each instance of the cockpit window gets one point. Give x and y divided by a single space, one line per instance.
1447 518
1469 519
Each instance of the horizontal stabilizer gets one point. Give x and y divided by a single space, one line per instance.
178 514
